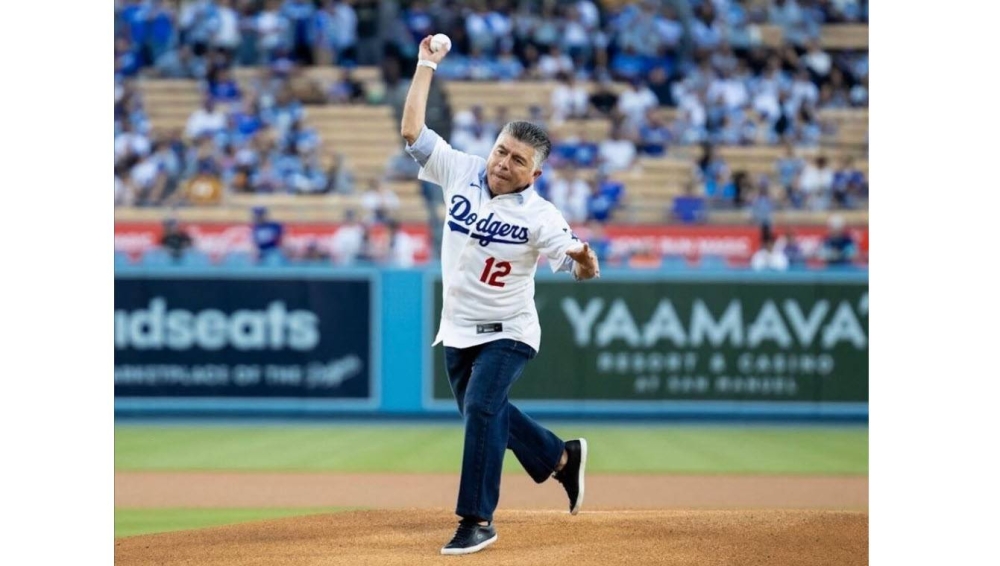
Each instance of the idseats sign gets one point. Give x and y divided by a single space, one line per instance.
243 337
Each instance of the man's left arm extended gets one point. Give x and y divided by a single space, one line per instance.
565 251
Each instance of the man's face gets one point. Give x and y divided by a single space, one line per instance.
510 166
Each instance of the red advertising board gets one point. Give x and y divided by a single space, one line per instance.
734 242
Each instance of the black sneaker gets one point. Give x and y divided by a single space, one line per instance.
470 537
571 476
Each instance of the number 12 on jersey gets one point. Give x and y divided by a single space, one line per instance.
491 277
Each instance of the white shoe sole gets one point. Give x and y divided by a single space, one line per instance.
471 549
580 478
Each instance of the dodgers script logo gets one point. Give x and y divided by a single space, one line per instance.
486 229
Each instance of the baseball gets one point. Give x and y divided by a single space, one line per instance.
440 41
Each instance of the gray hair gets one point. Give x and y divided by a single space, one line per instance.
532 135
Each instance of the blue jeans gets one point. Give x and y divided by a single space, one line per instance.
481 378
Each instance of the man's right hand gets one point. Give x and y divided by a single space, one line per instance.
426 54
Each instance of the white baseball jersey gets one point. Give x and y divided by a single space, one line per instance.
490 249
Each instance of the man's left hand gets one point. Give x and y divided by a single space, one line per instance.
586 262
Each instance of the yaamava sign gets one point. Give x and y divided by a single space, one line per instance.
695 340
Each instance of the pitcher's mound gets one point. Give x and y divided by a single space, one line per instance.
598 538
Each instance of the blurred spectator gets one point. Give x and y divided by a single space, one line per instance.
536 115
635 101
127 64
224 88
149 181
273 30
175 239
480 66
401 167
299 138
226 33
815 183
817 61
789 167
379 202
720 188
628 65
849 184
553 63
744 189
654 135
267 234
569 99
762 205
337 31
839 247
266 179
347 242
598 240
859 93
181 63
369 39
202 159
729 91
123 191
346 89
767 258
792 250
339 179
480 142
604 100
660 86
130 144
600 204
207 120
507 66
285 111
247 121
803 90
710 165
401 246
617 153
689 207
570 194
585 151
610 187
300 15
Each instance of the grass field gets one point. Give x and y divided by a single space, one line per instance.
437 448
131 522
423 448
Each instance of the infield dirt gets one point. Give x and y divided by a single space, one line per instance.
692 520
605 538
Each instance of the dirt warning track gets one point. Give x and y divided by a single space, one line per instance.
383 491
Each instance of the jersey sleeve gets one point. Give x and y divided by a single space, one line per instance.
440 163
555 238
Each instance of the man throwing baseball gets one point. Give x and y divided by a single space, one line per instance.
496 228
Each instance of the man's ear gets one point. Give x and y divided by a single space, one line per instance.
536 174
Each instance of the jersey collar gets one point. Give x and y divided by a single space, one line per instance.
521 196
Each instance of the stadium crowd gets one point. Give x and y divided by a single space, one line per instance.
702 58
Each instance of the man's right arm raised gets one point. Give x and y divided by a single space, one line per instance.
438 161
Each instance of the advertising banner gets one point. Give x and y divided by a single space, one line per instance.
218 239
628 341
185 337
734 242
